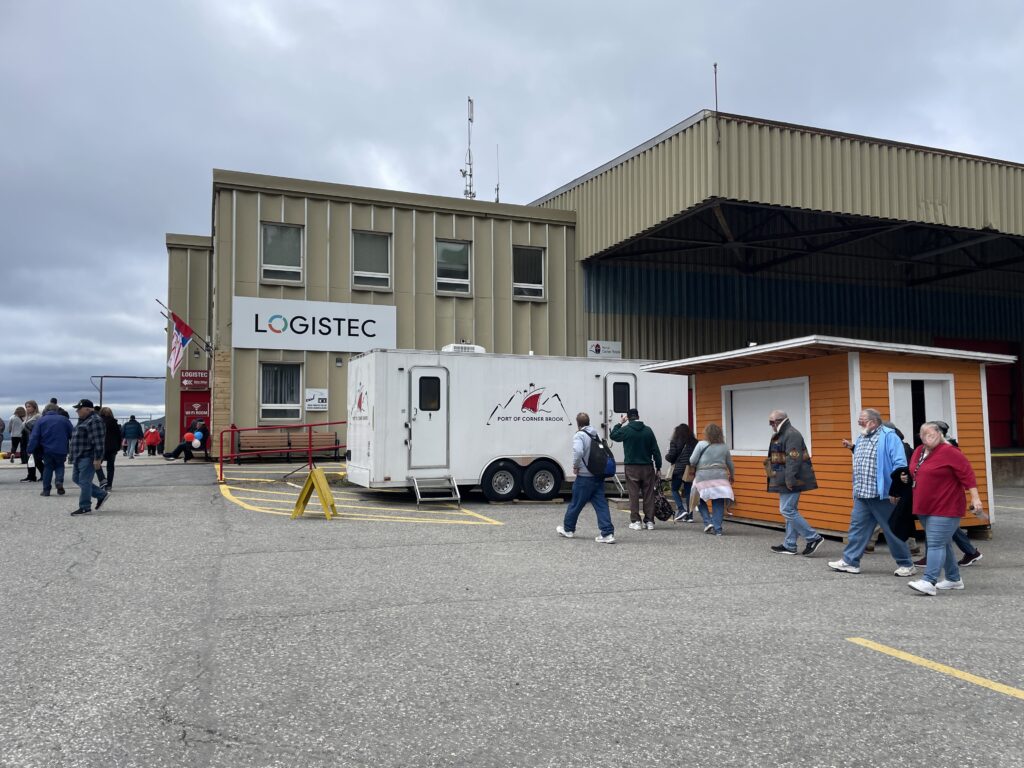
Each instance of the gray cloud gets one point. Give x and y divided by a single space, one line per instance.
116 112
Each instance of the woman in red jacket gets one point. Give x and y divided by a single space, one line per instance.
941 474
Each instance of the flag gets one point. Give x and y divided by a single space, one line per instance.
180 338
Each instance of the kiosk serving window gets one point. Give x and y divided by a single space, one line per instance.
280 388
745 409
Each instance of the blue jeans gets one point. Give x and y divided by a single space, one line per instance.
588 488
961 539
53 470
938 533
717 513
82 475
796 526
677 483
866 514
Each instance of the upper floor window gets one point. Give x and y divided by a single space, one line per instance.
281 252
453 275
371 260
528 272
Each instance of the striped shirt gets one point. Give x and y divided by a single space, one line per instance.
865 466
87 439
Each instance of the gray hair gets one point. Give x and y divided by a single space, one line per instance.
778 415
49 407
873 415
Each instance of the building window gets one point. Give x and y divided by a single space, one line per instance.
452 267
371 260
282 253
528 272
745 409
280 385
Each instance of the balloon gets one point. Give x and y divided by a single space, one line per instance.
199 436
197 444
189 437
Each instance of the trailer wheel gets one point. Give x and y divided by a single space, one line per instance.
543 480
502 481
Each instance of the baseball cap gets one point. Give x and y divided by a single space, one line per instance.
632 413
83 403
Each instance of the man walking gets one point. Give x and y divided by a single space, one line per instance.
877 452
641 464
790 473
132 436
586 487
86 456
51 436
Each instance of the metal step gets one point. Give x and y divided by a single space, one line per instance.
436 489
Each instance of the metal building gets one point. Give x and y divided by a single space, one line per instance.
722 231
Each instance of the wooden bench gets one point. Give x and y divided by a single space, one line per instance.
264 445
324 444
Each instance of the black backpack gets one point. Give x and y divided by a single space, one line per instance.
600 461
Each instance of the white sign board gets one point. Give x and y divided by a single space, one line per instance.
611 350
316 399
315 326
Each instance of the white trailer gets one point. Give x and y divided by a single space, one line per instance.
462 417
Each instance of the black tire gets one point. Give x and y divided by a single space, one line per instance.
502 481
542 480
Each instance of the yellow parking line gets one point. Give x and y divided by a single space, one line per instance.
936 667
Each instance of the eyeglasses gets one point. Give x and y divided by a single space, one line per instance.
773 422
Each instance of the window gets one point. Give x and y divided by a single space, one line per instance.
620 397
528 272
371 260
745 409
282 252
280 384
430 393
452 267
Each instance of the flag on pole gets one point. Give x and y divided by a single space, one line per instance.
180 338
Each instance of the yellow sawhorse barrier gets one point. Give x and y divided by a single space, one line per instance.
316 480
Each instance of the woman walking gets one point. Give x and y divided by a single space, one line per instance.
680 448
111 445
713 478
31 417
940 474
14 427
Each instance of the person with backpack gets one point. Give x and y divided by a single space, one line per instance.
640 450
590 455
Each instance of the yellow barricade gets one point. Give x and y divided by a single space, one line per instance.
316 480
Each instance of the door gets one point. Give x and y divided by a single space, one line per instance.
428 417
195 405
917 399
619 397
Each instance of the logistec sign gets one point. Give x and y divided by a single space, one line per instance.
316 326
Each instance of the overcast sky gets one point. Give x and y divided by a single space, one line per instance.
112 116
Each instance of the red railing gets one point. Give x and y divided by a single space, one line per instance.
288 446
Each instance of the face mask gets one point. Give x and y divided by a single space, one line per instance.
864 430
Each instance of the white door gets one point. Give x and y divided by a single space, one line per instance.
619 397
916 399
428 417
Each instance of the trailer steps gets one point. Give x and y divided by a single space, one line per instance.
436 489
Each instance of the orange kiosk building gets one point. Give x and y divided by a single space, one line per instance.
823 382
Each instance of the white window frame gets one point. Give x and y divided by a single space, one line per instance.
300 405
356 286
298 271
728 389
468 281
530 286
895 376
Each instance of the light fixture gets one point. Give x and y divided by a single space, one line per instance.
338 362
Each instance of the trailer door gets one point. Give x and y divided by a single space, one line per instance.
428 417
619 397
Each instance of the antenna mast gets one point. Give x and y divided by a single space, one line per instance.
467 172
497 166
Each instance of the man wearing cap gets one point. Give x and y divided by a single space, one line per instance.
641 464
86 455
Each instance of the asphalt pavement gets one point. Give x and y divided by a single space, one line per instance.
177 628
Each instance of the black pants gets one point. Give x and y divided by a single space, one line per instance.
151 450
15 442
108 477
183 447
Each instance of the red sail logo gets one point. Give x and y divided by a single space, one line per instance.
531 402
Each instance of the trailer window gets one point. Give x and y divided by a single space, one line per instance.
430 393
620 396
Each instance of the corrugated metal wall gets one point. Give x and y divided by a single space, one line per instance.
666 314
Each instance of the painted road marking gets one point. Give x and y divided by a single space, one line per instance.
1017 693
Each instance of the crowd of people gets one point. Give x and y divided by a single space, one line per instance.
45 441
893 488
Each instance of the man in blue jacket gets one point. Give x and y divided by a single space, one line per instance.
52 433
876 453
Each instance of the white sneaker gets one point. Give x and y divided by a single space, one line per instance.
709 528
905 570
650 526
922 586
637 526
565 533
947 584
609 539
845 567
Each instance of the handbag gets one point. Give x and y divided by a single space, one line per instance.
689 473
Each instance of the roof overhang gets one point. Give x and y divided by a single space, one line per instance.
806 347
